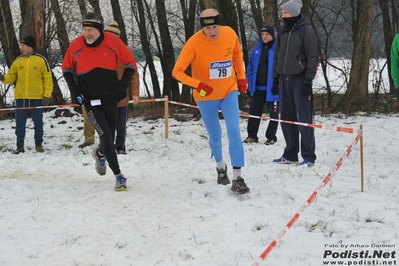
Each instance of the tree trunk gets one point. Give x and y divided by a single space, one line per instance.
356 96
244 45
305 7
116 11
276 12
167 55
228 14
395 15
207 4
268 12
96 6
8 38
389 34
257 14
33 23
145 44
61 31
189 27
82 7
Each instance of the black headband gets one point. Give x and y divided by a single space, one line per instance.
93 24
209 21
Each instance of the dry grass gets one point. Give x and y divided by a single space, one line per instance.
382 104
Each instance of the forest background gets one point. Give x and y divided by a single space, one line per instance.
353 34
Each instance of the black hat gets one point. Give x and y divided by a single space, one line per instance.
269 29
29 41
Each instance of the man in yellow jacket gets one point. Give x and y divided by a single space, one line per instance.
120 139
217 66
33 87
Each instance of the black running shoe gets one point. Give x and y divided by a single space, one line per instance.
223 179
239 186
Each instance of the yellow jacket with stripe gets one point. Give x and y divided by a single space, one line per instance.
32 77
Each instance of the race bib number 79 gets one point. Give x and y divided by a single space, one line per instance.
220 69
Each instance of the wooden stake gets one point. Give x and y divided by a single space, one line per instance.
361 159
166 105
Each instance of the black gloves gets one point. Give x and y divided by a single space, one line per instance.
306 89
1 76
275 87
45 101
248 93
76 96
121 91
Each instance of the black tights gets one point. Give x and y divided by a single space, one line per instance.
103 118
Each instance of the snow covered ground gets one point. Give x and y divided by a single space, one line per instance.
56 210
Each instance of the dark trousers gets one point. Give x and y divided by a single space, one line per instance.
298 109
22 115
103 118
258 101
121 120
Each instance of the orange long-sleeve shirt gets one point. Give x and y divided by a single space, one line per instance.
218 63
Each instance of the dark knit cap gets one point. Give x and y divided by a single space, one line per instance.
269 29
29 41
93 20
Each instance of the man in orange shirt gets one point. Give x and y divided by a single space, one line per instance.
215 56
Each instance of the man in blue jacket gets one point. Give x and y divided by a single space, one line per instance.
260 82
295 66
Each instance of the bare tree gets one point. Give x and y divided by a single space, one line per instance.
256 11
188 15
82 7
244 42
395 15
63 43
268 12
95 5
33 22
33 15
228 13
116 11
8 41
207 4
389 34
338 24
305 7
166 55
139 15
61 31
8 38
356 96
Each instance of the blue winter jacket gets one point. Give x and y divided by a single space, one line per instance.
252 71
